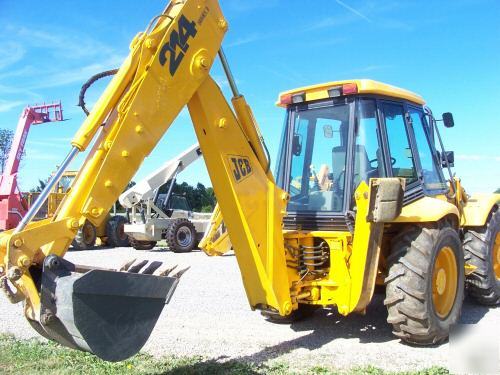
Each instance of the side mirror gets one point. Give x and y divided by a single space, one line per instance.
448 120
169 212
296 145
448 156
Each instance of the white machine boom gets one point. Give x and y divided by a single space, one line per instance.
146 188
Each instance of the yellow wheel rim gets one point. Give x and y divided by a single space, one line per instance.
496 256
444 282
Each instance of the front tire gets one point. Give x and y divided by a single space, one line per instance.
142 245
425 285
181 236
115 232
85 237
482 249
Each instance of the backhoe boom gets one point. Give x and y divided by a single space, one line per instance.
168 67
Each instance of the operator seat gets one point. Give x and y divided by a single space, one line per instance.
362 168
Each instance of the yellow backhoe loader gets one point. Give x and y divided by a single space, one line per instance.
359 199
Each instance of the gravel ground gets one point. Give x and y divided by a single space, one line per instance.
209 316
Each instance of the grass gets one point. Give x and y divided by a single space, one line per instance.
35 357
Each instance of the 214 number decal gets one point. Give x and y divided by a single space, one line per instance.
178 39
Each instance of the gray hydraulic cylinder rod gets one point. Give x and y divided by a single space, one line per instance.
46 191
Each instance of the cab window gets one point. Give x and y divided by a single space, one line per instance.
179 203
368 156
318 148
401 156
432 177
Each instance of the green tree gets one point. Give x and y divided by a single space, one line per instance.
200 198
6 136
497 191
41 185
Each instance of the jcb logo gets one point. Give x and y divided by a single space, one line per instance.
187 29
240 165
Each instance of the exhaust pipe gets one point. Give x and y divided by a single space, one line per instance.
105 312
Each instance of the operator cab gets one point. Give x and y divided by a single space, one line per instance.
175 203
339 134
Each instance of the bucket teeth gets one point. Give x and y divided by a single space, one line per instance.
151 268
154 267
178 274
126 265
165 271
137 267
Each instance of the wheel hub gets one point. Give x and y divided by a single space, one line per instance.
184 236
441 281
444 282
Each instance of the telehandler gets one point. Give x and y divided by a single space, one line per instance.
154 216
359 200
13 202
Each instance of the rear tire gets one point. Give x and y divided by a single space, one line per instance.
142 245
482 249
304 311
115 232
85 237
425 285
181 236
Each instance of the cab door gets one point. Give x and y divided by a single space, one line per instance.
401 154
429 170
369 154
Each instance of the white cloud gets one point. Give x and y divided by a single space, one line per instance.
63 43
10 53
378 12
222 81
245 6
477 157
353 10
329 22
65 77
245 40
328 42
371 68
48 143
68 57
34 154
7 105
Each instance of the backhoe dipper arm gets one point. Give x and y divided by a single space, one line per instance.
145 189
168 67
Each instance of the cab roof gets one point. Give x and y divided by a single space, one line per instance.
347 87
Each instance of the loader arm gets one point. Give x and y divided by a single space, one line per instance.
167 68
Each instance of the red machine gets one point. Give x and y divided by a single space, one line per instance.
13 205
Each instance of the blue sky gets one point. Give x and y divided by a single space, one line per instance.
448 51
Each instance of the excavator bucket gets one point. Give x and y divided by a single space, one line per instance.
108 313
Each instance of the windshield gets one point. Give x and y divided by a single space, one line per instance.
65 183
317 168
179 203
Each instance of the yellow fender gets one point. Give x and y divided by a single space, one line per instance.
427 210
477 209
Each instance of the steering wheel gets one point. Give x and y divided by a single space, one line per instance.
338 187
393 161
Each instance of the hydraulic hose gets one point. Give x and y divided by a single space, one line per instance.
90 82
